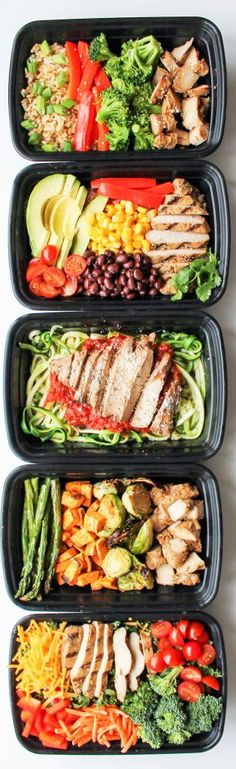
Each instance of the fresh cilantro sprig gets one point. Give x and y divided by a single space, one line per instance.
201 275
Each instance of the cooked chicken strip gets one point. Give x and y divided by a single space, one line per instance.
163 422
169 62
187 75
183 137
70 647
173 266
200 90
181 186
166 140
138 662
147 404
61 367
192 563
180 52
198 135
158 256
175 552
123 662
162 81
176 219
106 662
168 287
89 683
83 660
117 372
78 362
91 360
98 378
171 102
156 124
146 644
187 204
130 377
173 236
191 112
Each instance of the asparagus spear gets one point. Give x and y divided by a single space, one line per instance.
29 505
35 487
33 538
39 571
24 533
56 532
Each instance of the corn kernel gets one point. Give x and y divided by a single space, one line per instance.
129 208
146 245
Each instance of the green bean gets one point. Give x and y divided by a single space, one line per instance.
39 514
56 532
39 570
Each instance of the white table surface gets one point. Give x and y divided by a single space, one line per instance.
14 14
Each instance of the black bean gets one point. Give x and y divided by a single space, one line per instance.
115 291
100 260
104 267
113 268
93 288
86 283
121 258
130 295
100 280
139 286
122 280
138 275
131 284
153 292
125 291
142 293
152 280
157 284
129 263
96 273
108 283
130 273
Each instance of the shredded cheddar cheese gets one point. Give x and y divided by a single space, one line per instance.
37 662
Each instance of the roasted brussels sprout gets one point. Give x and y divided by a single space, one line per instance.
114 486
126 533
137 500
117 562
144 539
113 510
136 579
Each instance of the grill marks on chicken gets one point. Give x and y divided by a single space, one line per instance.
87 653
126 383
175 88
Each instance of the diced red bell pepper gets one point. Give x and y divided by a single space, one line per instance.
25 715
131 183
29 703
57 706
83 51
53 740
147 198
28 725
85 123
101 80
39 720
88 76
74 70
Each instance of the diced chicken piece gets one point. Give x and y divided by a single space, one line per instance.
205 104
178 509
154 558
72 638
188 531
175 552
183 137
147 404
168 287
202 68
197 510
162 81
171 102
83 660
169 493
165 575
198 135
98 378
160 518
106 661
166 140
123 662
186 76
173 236
200 90
195 546
78 362
191 112
189 580
169 62
192 563
146 644
81 392
156 124
181 186
138 661
164 420
61 367
180 52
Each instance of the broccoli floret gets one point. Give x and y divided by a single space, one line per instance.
165 684
170 715
99 48
143 137
118 137
124 86
114 108
202 713
141 99
139 56
149 733
113 68
179 737
142 704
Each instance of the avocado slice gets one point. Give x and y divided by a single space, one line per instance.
43 190
82 236
70 181
75 189
81 197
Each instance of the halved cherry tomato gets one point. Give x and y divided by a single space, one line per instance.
189 691
192 651
34 269
163 643
204 638
212 682
202 687
49 254
75 265
191 674
195 629
70 286
172 657
161 629
175 637
207 656
182 626
54 277
156 663
40 288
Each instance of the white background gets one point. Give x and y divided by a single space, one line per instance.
13 16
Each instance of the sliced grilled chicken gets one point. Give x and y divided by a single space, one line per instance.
146 644
166 140
181 186
78 362
158 256
168 62
138 662
98 377
88 368
156 124
61 367
163 421
191 112
188 74
173 266
70 647
116 375
162 81
126 380
174 237
168 287
180 52
147 404
106 661
175 204
89 684
200 90
177 219
183 137
83 660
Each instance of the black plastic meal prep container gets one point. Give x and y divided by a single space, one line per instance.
66 598
171 31
17 365
197 744
209 180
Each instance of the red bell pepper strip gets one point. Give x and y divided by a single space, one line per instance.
86 118
74 70
101 80
103 130
132 183
147 198
50 740
83 51
88 76
57 706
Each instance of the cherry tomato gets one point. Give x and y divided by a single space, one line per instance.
189 691
202 687
163 643
172 657
182 626
161 629
212 682
207 656
192 651
204 638
54 277
156 663
195 629
49 254
70 286
35 286
175 637
40 288
191 674
34 269
75 265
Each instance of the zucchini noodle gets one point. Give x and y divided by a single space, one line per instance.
49 423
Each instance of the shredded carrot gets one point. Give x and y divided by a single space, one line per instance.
102 725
